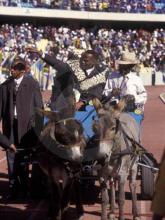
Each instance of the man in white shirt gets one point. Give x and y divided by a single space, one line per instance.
126 83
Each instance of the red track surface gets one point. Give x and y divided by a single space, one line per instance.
153 139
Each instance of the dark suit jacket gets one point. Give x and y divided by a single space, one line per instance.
66 80
27 100
63 82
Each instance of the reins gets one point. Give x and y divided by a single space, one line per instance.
64 120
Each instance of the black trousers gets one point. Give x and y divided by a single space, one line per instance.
18 169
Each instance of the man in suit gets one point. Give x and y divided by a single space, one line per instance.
87 75
19 97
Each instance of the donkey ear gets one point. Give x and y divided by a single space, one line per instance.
120 106
97 104
53 116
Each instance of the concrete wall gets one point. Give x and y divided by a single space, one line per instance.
83 15
151 78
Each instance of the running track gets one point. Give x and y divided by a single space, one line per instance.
153 139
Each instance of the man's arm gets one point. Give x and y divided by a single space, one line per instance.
6 144
59 65
38 104
137 89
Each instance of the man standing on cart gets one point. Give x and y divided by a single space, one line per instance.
85 75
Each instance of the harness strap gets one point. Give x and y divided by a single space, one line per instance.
71 172
120 154
139 149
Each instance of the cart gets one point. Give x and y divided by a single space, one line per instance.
148 166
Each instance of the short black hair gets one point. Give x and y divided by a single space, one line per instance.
18 64
93 53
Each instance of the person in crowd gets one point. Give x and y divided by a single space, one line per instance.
141 6
127 84
19 97
86 75
108 42
6 144
158 201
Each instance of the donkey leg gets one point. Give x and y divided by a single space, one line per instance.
65 199
104 198
122 180
113 200
79 206
132 185
54 211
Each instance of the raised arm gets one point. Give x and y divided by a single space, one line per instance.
57 64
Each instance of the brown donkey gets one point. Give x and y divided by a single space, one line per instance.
62 145
115 133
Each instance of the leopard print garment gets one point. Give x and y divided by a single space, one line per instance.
85 84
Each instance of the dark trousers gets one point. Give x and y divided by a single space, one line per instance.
18 173
18 169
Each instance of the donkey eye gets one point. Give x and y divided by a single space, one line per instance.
113 128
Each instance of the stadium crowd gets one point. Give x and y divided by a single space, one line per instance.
109 43
124 6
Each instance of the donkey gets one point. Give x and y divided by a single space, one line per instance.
62 144
116 135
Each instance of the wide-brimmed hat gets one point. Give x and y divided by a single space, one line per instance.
128 58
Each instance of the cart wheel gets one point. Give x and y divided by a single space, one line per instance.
147 183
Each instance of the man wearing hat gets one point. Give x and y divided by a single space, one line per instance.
19 97
127 84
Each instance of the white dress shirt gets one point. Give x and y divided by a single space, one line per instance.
88 71
129 84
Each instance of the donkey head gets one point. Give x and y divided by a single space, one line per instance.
105 127
64 134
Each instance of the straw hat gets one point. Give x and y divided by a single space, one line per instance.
128 58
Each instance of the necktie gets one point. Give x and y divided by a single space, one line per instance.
15 89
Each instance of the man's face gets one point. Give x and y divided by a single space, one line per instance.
87 61
125 69
17 70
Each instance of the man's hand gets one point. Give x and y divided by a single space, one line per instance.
115 92
79 105
33 50
12 148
